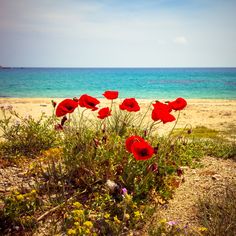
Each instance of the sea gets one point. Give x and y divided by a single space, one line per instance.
143 83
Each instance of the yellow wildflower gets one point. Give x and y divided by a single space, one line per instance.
20 197
77 224
77 204
107 215
202 229
163 221
78 212
33 192
116 220
137 214
88 224
71 232
87 231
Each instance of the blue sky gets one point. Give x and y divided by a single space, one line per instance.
118 33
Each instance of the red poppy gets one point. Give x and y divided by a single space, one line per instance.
88 102
104 112
110 95
142 150
162 106
162 115
129 142
178 104
130 104
66 106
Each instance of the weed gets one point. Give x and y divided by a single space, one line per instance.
26 136
19 210
174 228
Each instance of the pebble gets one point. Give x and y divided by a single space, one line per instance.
216 177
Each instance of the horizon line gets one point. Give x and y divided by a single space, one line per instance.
117 67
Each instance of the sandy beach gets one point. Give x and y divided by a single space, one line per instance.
212 113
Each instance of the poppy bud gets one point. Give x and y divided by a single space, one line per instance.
180 171
144 133
104 139
75 99
189 131
104 128
54 103
58 127
63 120
156 149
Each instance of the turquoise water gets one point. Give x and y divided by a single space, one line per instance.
153 83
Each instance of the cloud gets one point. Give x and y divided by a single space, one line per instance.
180 40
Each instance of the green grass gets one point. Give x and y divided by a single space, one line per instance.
25 136
199 132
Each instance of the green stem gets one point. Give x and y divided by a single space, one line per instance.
174 125
145 114
154 123
111 105
166 149
81 118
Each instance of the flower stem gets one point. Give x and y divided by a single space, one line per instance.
174 125
145 114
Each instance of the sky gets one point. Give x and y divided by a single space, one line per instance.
118 33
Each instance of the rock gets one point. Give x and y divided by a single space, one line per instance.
216 177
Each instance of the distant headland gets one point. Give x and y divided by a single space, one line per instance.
4 67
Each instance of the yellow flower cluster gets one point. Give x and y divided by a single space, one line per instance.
81 226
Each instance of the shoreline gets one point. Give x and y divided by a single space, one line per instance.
120 98
219 114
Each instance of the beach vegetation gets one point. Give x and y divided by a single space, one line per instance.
104 175
26 136
175 228
199 132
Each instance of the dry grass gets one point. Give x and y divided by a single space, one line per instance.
217 211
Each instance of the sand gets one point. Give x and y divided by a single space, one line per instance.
212 113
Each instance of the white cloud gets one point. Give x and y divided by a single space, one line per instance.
180 40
